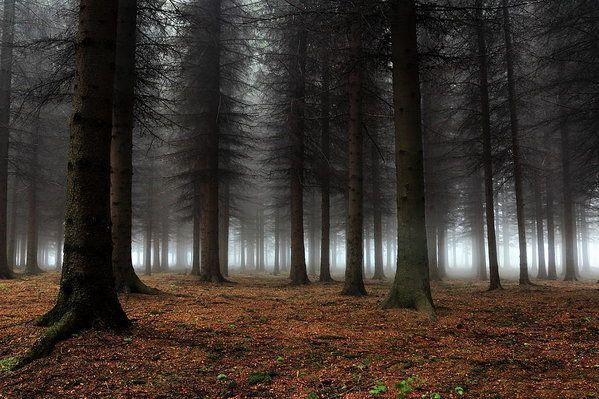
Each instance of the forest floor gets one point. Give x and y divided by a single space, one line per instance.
263 339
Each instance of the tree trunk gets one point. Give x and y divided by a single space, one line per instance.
277 266
515 138
568 221
551 244
165 235
354 276
197 232
411 288
121 160
59 244
32 265
224 231
495 282
377 222
442 263
297 71
210 270
542 272
312 249
14 210
584 239
87 296
325 180
149 224
6 61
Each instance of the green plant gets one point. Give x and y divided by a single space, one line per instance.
459 391
259 377
312 395
8 363
378 389
221 377
127 340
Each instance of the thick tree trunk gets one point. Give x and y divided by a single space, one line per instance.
411 288
32 265
515 138
297 71
354 276
121 160
87 296
210 183
494 282
6 61
59 244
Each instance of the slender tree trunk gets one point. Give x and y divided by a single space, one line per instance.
377 222
165 235
87 296
568 221
354 276
156 261
442 263
149 224
551 244
515 137
121 160
6 61
14 209
277 266
297 71
312 249
224 230
32 265
242 244
411 288
542 272
197 232
495 282
584 239
325 183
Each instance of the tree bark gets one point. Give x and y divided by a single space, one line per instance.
121 160
164 240
32 264
495 282
296 111
14 210
515 141
6 64
149 223
197 228
224 230
568 215
354 275
551 244
87 296
411 288
377 222
542 271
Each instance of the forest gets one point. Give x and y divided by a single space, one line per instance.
306 199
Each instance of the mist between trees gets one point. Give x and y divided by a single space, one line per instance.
317 139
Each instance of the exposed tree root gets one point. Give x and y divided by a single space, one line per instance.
412 299
134 285
59 331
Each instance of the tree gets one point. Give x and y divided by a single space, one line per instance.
411 287
87 295
121 161
494 282
515 145
354 279
6 64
